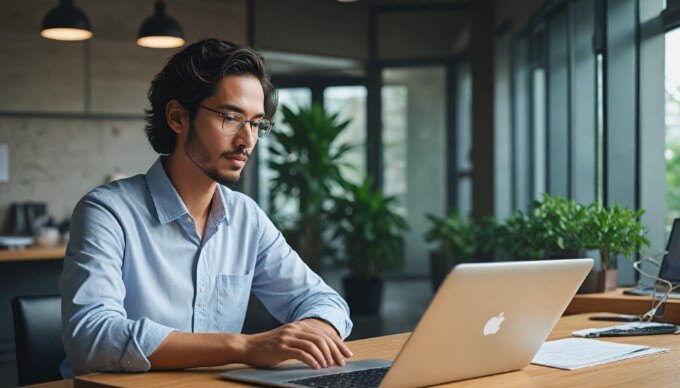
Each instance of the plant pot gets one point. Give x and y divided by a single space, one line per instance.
440 266
363 296
599 280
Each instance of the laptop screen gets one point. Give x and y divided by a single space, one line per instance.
670 267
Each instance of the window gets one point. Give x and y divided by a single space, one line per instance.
414 149
293 98
350 104
673 125
600 128
539 128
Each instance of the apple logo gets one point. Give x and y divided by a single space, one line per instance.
494 324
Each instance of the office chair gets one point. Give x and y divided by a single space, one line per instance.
37 334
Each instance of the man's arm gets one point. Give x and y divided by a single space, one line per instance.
293 293
96 333
306 341
289 289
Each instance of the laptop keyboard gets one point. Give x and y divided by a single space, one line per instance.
356 379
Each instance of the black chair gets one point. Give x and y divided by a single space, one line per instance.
37 334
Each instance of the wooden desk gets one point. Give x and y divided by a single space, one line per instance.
617 302
659 370
34 253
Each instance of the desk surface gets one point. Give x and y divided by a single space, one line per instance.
617 302
657 370
33 253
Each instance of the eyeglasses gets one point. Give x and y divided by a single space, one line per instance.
234 122
662 289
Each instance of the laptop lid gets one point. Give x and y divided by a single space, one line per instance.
670 266
487 319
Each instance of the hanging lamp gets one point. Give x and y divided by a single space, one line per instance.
66 22
160 30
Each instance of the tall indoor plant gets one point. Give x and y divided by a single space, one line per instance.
306 161
371 233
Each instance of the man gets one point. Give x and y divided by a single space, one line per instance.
160 266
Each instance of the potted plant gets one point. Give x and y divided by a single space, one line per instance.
306 161
520 238
372 235
490 245
612 231
456 239
558 223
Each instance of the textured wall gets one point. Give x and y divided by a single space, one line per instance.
58 161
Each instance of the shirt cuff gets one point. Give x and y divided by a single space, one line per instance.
145 337
337 319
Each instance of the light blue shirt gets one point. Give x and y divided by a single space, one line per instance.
136 270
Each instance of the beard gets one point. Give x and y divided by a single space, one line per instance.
198 153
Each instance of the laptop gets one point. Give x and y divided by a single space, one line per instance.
485 319
670 265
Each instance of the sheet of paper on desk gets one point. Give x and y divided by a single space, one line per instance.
576 353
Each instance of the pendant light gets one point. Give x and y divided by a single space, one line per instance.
160 30
66 22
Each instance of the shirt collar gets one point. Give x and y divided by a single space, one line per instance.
168 203
218 208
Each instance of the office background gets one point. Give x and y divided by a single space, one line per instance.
479 105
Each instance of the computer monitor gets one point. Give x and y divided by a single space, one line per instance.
670 266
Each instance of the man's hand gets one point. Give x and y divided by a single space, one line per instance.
311 341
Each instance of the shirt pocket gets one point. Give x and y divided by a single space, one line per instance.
233 292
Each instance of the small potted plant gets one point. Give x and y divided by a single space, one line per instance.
612 231
456 239
372 235
558 223
520 238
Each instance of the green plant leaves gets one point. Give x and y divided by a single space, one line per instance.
554 224
456 236
306 165
613 231
371 230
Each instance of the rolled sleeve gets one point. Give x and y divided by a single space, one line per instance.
331 315
145 338
289 289
96 333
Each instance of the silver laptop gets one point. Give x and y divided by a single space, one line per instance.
485 319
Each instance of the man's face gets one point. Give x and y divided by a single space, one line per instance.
219 155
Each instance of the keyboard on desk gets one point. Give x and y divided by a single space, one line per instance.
356 379
670 329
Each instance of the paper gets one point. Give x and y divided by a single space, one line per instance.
576 353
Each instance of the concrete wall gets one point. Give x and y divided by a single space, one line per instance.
320 27
421 34
55 158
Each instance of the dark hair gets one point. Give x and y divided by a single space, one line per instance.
192 75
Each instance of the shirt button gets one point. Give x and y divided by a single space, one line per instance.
201 289
188 219
200 305
128 362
